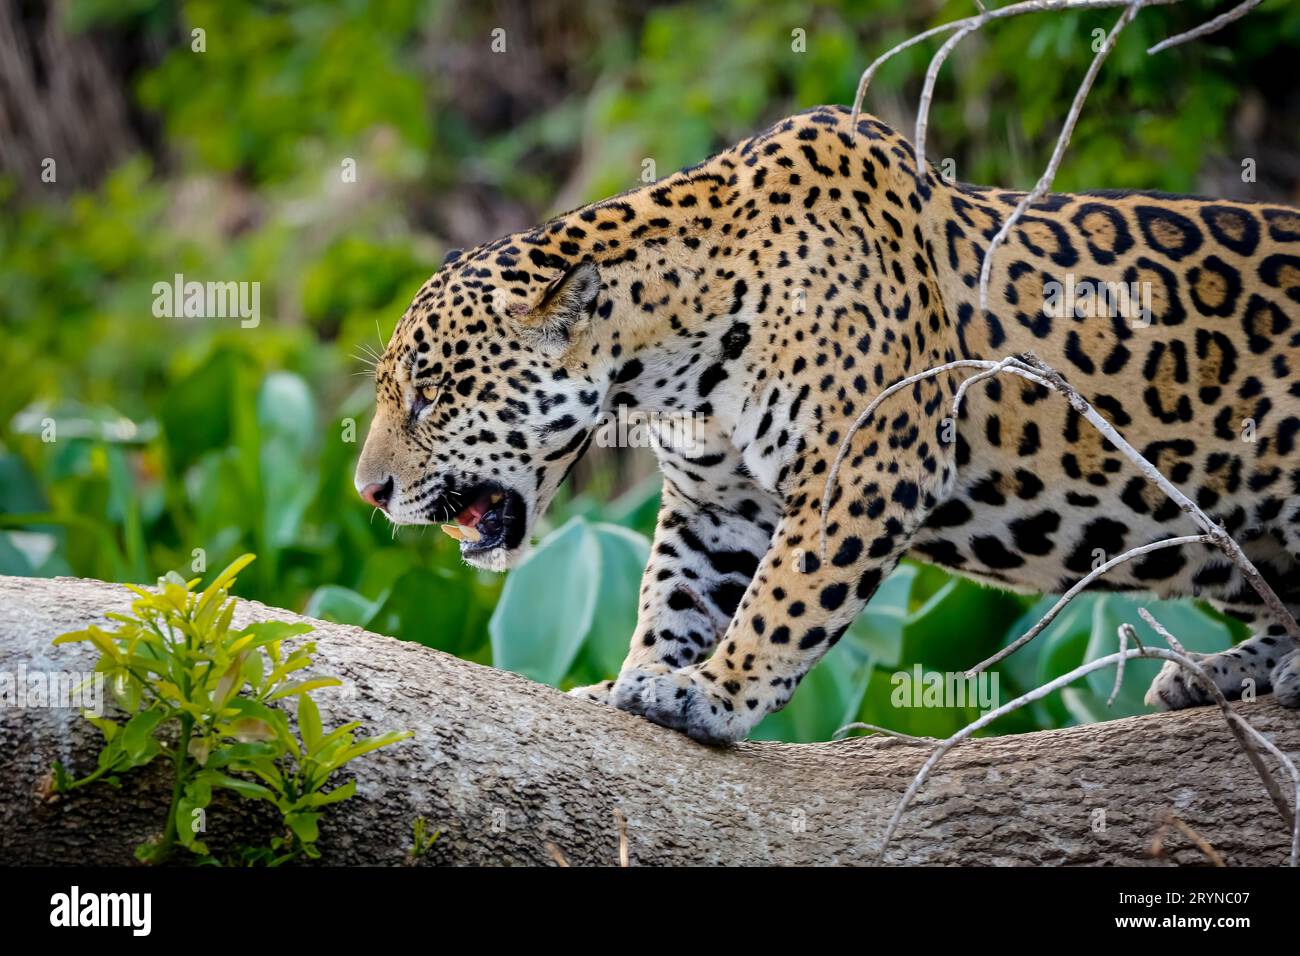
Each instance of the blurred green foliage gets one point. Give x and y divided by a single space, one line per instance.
173 435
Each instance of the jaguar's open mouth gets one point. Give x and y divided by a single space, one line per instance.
494 518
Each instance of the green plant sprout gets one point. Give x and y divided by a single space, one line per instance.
421 840
200 694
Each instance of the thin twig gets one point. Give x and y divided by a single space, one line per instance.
976 21
1074 591
1218 23
1033 369
1034 695
1290 766
555 854
1126 634
1220 537
870 410
885 731
1167 820
927 91
622 838
1246 735
1058 153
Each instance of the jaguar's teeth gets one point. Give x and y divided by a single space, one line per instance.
454 531
496 498
469 533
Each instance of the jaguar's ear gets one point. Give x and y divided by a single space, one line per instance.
565 307
451 256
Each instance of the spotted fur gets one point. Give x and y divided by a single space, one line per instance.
772 292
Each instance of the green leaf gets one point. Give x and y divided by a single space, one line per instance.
547 605
367 744
431 608
879 628
304 826
959 626
304 686
264 632
241 753
337 795
309 724
332 602
286 418
1193 628
137 735
223 580
623 557
198 411
245 788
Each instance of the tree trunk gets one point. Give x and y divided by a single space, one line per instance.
511 771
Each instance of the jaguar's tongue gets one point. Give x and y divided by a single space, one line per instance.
467 523
472 515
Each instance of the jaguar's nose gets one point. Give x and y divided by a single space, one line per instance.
377 494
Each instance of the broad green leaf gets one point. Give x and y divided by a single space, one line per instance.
879 628
304 825
623 557
286 418
547 605
332 602
959 626
1193 628
432 609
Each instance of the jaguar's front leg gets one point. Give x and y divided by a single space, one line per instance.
703 556
795 609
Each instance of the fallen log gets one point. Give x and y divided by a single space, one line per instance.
513 772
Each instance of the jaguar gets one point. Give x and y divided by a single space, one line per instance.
772 292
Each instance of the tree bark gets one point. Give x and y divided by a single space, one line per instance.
508 769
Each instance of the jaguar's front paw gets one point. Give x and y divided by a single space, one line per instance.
594 693
1285 680
681 700
1175 688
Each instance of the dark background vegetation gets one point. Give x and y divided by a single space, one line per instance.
175 435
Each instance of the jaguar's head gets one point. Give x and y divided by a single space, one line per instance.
485 397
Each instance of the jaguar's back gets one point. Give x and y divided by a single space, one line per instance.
1179 319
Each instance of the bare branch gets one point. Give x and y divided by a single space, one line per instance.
1218 23
1010 364
1126 634
1161 632
1063 681
1221 538
886 732
1168 819
1246 735
974 23
1033 369
1285 761
927 92
1074 592
1058 153
623 860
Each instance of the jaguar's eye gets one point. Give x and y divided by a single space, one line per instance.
424 397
